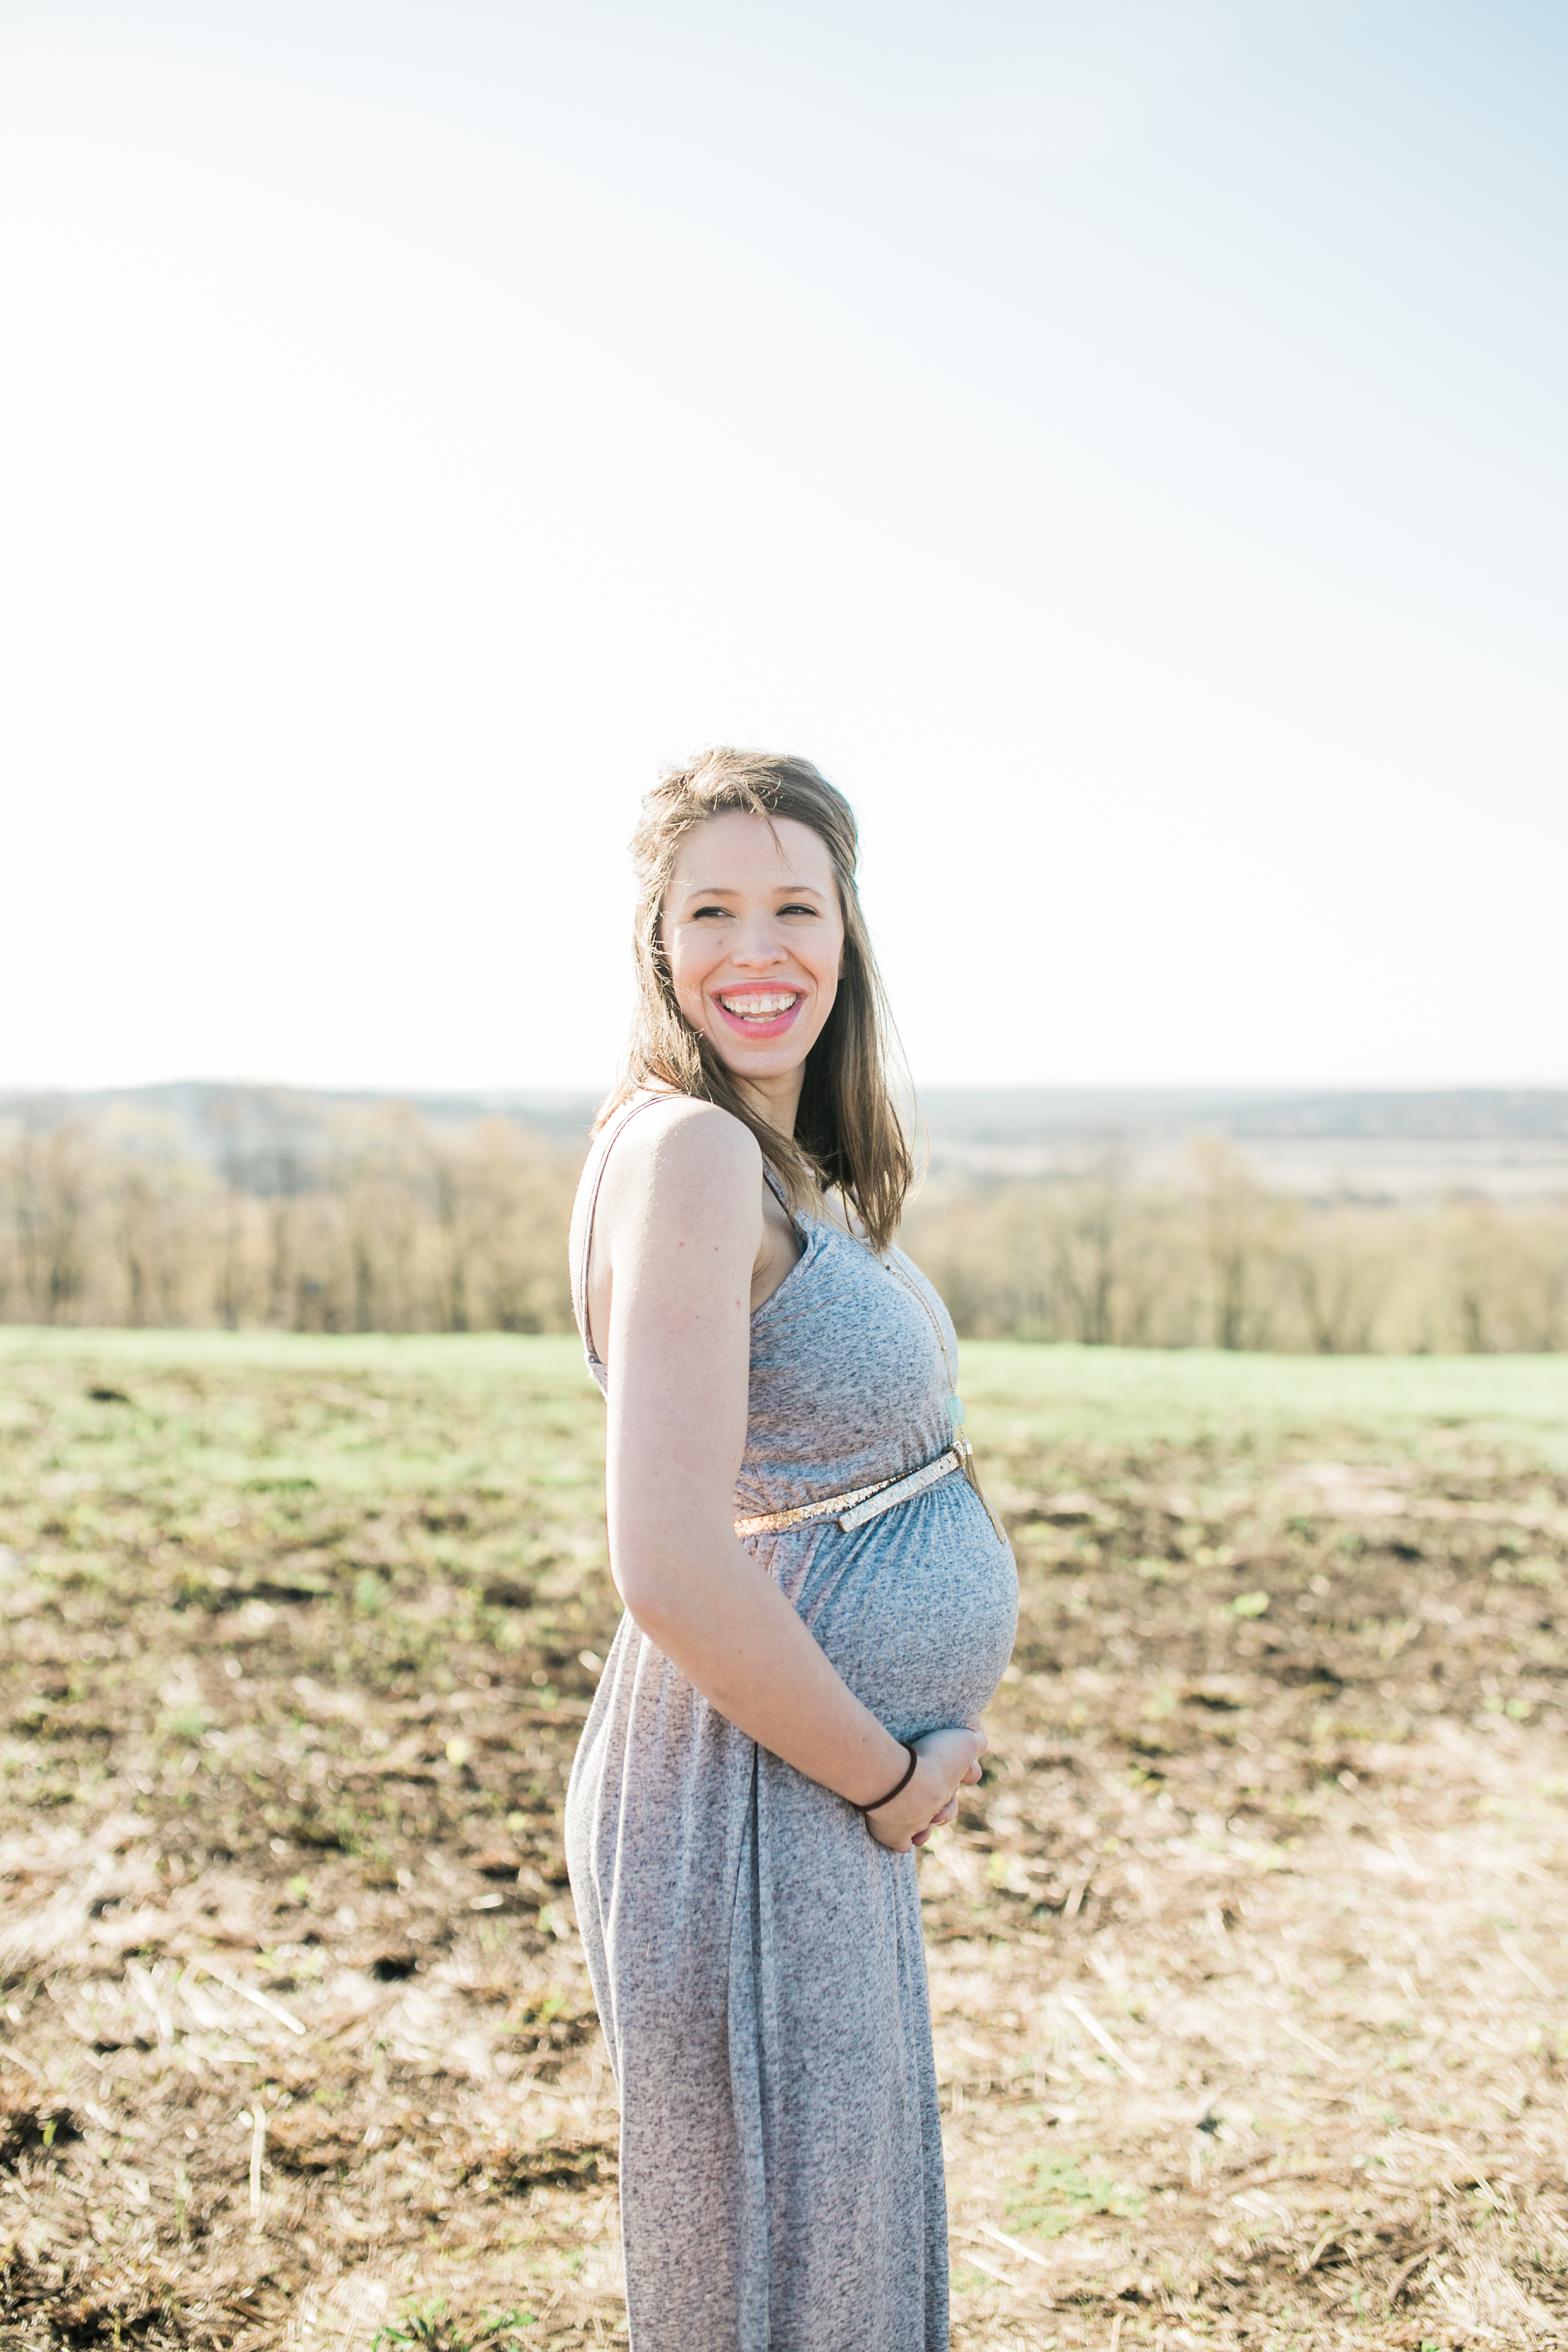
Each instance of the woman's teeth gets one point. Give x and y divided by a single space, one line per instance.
759 1008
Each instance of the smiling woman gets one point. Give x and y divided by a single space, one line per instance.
753 939
792 846
818 1601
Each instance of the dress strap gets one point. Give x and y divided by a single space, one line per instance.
603 1144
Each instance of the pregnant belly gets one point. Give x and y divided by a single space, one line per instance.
917 1609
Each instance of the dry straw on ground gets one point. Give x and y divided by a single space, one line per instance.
1247 1961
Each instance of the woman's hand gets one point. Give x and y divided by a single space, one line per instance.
948 1761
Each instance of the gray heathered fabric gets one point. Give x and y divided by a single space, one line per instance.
756 1956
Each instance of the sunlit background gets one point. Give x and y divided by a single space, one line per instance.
1121 444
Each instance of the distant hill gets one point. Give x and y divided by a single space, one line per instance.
1374 1144
1020 1114
1504 1144
209 1115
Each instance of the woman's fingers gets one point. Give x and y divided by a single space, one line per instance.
946 1761
937 1821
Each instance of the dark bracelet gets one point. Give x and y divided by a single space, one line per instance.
899 1787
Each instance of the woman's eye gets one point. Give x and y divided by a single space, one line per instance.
703 912
798 910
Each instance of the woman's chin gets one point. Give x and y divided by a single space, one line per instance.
761 1063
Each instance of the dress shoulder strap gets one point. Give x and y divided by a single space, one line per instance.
604 1143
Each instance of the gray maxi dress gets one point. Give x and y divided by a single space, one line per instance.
756 1956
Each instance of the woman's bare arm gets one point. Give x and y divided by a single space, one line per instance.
683 1226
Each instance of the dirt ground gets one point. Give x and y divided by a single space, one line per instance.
1247 1960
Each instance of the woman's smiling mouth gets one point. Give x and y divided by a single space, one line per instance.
761 1012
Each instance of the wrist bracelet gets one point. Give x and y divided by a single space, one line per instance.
899 1787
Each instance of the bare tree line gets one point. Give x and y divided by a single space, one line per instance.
381 1221
1217 1260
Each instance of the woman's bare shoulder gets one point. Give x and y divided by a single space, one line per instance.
683 1150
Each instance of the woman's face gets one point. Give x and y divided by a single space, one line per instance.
755 937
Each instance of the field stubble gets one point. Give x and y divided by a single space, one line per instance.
1246 1959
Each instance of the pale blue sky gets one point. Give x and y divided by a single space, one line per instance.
1124 444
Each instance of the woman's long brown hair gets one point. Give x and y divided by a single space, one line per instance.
846 1131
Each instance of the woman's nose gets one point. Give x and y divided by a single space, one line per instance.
759 942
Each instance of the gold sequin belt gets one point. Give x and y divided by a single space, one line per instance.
861 1503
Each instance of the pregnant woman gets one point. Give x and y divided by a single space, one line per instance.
818 1601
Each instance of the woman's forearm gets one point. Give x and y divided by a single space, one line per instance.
726 1625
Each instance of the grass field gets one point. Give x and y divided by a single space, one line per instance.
1247 1959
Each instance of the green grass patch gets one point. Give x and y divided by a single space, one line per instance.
1138 1398
1057 2191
